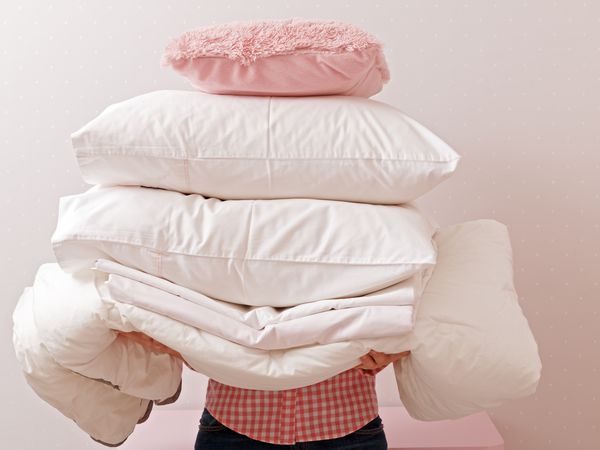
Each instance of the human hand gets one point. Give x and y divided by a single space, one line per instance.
148 342
374 361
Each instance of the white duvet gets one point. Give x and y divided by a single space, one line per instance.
471 346
387 312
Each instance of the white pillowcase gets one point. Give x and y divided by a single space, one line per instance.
280 252
250 147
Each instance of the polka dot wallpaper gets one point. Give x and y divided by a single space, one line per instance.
513 86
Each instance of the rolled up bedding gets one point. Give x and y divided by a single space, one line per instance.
98 407
280 252
471 346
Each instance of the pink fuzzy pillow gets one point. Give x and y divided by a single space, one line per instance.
293 57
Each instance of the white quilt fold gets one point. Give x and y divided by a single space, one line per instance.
387 312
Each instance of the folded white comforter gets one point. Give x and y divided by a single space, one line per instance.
387 312
471 346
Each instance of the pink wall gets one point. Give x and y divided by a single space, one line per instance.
514 86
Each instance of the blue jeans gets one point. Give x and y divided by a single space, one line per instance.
213 435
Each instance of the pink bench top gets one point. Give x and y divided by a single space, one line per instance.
176 430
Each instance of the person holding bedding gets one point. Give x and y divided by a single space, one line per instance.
338 413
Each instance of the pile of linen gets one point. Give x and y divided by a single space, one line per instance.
271 241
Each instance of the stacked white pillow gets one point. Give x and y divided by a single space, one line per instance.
278 202
244 147
261 248
280 252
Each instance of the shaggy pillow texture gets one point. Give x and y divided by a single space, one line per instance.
293 57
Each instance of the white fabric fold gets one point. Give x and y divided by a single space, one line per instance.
387 312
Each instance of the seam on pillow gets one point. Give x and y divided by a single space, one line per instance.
86 152
267 160
268 149
245 259
294 52
135 243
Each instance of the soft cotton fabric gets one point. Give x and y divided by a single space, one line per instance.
471 347
388 312
79 328
318 57
133 285
98 408
280 252
232 147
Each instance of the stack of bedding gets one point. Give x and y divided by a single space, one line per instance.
266 228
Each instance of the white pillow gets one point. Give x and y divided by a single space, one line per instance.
245 147
280 252
471 345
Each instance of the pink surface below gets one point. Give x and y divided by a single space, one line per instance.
177 429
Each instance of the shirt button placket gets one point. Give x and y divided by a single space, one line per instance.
288 415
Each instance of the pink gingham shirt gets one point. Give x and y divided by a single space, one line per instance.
331 408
